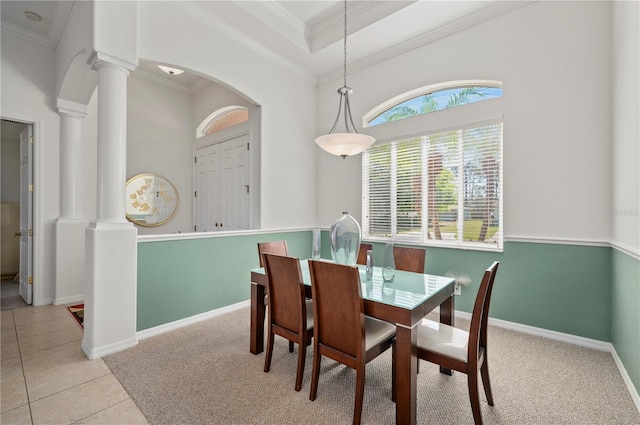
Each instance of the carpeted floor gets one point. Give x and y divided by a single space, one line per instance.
204 374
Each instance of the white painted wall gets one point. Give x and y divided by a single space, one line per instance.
27 88
625 204
557 131
287 101
159 140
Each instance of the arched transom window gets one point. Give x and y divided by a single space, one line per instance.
223 118
433 98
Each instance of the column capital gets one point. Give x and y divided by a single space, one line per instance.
70 108
98 60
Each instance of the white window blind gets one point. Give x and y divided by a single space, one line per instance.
436 189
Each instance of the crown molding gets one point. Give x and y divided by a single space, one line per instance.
148 76
200 85
15 30
476 18
218 24
279 19
59 20
60 16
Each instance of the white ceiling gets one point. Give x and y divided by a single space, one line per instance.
305 36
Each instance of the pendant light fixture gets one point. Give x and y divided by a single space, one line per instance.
350 142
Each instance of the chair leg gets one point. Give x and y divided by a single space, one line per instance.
484 370
315 374
472 379
302 354
393 371
357 409
291 346
267 355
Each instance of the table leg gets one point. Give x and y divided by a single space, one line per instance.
256 340
406 374
446 317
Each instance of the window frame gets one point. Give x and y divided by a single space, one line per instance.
473 115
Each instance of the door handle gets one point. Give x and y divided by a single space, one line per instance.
17 234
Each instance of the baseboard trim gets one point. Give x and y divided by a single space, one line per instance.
96 353
626 378
167 327
570 339
77 299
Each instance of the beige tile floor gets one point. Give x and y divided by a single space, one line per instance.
47 379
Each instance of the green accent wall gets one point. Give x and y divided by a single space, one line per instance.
564 288
625 312
182 278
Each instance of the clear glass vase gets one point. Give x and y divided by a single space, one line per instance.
345 237
316 244
388 264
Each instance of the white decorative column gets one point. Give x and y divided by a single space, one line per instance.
70 226
111 241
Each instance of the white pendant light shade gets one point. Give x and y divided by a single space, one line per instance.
345 144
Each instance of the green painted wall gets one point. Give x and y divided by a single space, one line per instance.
564 288
182 278
625 312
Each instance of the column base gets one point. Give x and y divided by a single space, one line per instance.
110 288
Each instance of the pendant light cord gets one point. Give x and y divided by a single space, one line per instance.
345 43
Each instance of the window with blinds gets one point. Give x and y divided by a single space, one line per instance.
441 189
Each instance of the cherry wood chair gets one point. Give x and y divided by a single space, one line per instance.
409 259
460 350
274 247
290 314
362 253
342 331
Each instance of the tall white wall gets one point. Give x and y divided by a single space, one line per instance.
557 144
159 140
625 203
287 101
27 88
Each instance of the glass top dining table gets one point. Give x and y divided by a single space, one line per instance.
404 301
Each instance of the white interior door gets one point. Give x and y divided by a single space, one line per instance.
222 186
207 182
26 214
235 184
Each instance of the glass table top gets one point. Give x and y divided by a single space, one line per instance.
407 290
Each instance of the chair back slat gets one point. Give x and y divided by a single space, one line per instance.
409 259
274 247
338 307
286 292
486 305
480 313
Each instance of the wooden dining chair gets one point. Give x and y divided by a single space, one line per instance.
273 247
342 332
290 314
362 253
409 259
460 350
